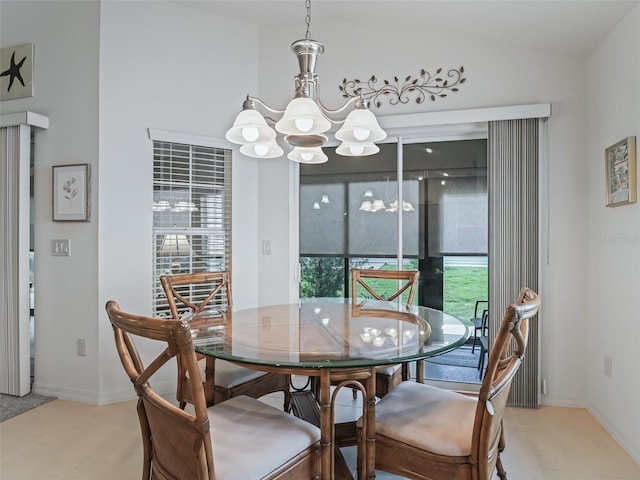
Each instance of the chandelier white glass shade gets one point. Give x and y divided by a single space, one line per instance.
353 149
305 121
302 117
267 149
306 155
248 127
406 206
360 127
379 206
371 205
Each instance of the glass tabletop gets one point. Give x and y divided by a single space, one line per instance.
326 333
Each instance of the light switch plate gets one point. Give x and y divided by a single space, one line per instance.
60 248
266 247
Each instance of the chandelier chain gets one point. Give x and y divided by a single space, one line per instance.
307 19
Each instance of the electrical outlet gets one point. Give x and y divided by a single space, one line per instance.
608 365
81 346
544 386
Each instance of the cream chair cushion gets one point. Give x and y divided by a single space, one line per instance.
249 437
388 371
429 418
229 375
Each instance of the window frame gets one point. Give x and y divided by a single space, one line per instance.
192 169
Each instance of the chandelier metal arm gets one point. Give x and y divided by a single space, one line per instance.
328 112
359 102
251 101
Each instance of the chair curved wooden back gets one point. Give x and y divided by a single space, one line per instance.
176 444
465 435
479 312
360 277
504 361
387 377
484 341
253 440
192 293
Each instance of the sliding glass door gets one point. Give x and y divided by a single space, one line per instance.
354 212
451 178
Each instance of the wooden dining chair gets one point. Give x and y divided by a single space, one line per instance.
427 433
189 293
240 438
391 285
484 341
479 312
389 289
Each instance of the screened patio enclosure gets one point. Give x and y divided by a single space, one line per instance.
353 211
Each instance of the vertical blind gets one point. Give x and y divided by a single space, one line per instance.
513 249
191 213
14 260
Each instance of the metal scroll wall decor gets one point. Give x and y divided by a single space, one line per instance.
424 86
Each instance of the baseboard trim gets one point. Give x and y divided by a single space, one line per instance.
114 395
625 442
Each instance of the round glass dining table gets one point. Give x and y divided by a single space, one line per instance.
336 340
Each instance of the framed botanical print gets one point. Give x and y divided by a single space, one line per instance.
71 193
621 176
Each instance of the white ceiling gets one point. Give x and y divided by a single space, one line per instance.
574 27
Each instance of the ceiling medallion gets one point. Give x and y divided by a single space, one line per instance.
423 87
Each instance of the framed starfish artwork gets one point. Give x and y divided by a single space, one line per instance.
16 72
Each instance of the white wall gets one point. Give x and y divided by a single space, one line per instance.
497 75
168 67
65 90
105 72
613 255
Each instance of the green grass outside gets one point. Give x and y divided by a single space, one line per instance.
385 287
462 287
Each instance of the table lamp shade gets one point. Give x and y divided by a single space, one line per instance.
175 246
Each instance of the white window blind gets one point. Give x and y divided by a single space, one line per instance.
191 213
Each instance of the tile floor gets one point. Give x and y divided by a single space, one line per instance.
75 441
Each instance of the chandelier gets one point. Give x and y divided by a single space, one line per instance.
371 205
305 121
